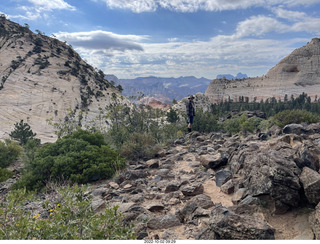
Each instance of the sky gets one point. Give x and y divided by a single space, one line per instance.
173 38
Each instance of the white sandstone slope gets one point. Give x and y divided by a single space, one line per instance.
42 78
297 73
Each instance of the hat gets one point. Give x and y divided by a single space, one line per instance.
191 97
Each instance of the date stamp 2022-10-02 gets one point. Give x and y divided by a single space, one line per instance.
159 241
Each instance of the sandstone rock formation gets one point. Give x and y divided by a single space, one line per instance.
41 78
293 75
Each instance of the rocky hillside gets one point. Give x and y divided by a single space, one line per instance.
213 186
297 73
41 78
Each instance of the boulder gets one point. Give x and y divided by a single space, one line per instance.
228 187
155 207
294 129
98 204
314 220
238 195
203 201
222 177
310 180
171 187
164 222
152 163
307 157
228 225
214 161
192 190
206 234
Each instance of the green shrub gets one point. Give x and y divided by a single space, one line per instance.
70 218
80 157
9 152
242 124
205 122
232 126
139 146
5 174
294 117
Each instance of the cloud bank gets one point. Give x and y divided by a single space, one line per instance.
139 6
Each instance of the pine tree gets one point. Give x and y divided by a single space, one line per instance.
22 133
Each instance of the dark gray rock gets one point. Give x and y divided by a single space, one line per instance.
294 129
228 187
155 207
228 225
206 234
308 157
222 177
172 186
203 201
311 184
153 163
214 161
192 190
164 222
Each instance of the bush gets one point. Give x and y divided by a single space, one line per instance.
80 157
9 152
205 122
5 174
294 117
70 218
139 146
242 124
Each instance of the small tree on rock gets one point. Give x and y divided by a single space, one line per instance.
22 133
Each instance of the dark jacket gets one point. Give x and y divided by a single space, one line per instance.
190 108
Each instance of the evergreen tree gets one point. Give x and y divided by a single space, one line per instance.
22 133
172 116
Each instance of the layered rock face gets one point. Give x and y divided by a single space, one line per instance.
297 73
42 78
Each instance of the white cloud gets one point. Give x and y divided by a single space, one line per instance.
289 15
139 6
221 54
49 5
259 25
102 40
39 9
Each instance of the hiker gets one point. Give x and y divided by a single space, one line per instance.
190 112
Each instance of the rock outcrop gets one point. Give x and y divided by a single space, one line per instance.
293 75
183 194
265 189
42 78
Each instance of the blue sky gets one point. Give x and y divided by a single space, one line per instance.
172 38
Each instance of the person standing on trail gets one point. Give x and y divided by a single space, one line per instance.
190 112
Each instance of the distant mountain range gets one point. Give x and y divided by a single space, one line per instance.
168 88
165 89
231 77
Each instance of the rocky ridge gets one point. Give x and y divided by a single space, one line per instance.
213 186
293 75
42 78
